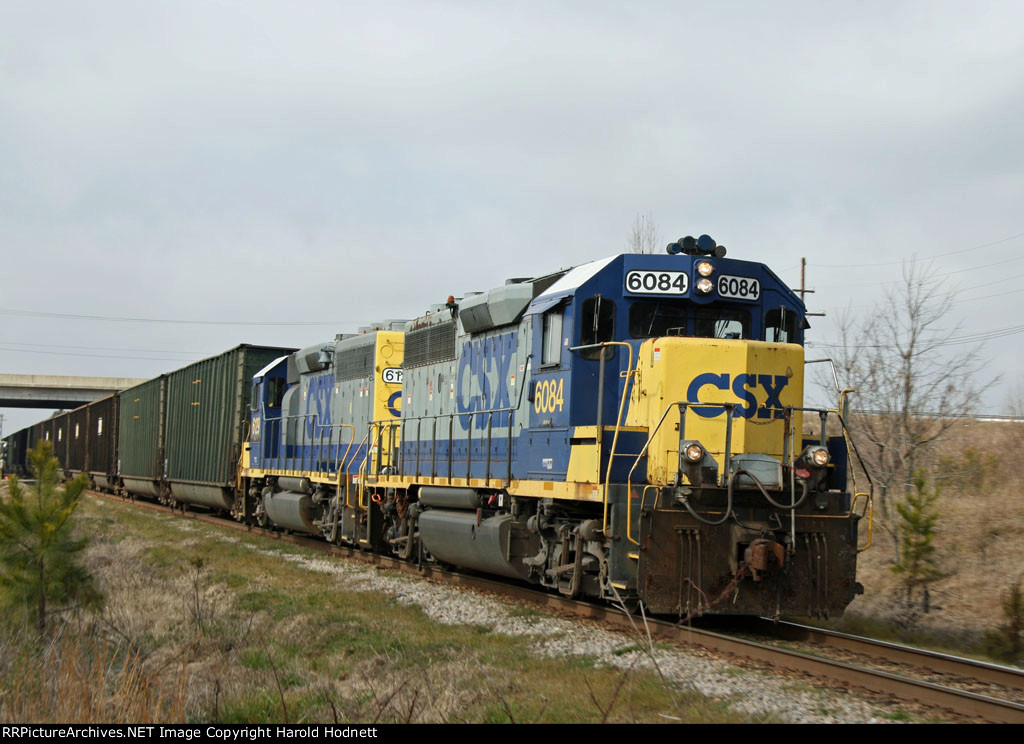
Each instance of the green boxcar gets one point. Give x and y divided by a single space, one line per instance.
140 458
207 414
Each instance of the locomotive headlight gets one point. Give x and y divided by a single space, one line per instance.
704 285
704 268
812 461
693 452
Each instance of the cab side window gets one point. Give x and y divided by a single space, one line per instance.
597 324
279 389
551 351
780 326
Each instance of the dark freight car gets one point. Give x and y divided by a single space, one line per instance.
17 446
78 442
59 436
103 424
140 448
41 432
207 410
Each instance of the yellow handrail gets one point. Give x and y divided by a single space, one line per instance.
618 425
349 490
629 476
869 505
347 449
869 509
364 468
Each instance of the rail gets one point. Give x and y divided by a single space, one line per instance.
364 466
629 477
398 459
726 480
627 375
311 448
348 468
869 503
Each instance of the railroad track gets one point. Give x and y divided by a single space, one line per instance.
966 688
984 678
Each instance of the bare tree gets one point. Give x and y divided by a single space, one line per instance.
1015 408
910 391
644 236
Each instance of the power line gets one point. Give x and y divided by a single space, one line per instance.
934 276
105 348
71 316
937 255
99 356
968 338
985 297
950 294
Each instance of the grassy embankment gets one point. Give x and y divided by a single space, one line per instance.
980 544
203 625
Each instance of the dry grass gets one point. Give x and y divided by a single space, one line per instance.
980 540
77 680
247 637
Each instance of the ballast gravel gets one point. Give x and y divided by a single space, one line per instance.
756 692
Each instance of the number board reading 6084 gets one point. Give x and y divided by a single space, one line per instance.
739 287
657 282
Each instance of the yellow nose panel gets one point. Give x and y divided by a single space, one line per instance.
760 378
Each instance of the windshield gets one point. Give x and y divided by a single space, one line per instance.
652 318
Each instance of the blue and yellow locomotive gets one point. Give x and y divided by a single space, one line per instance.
629 429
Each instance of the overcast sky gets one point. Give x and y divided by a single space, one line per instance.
338 163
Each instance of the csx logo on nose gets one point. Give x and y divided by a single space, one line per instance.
743 387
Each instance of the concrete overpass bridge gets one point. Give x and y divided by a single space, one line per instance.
58 391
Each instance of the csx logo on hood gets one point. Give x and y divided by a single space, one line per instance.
743 386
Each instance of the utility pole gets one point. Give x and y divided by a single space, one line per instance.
803 289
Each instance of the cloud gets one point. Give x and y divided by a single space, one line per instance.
353 161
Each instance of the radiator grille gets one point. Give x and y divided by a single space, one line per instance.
430 345
353 364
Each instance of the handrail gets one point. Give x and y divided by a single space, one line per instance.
365 466
643 498
348 490
385 428
402 425
869 511
630 371
682 406
789 456
314 457
869 505
629 476
433 418
341 459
